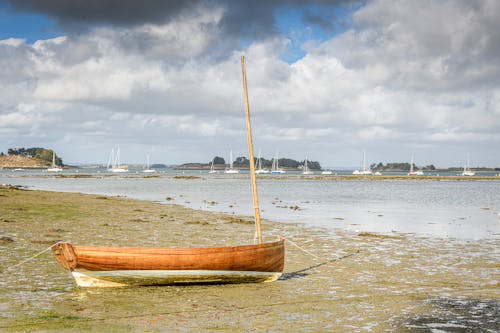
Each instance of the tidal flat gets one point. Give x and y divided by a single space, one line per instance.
336 281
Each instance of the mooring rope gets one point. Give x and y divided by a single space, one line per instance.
31 258
325 261
302 249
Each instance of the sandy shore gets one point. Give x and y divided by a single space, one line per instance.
355 282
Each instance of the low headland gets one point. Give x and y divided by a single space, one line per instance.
29 158
22 162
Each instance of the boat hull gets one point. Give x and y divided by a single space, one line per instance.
93 266
106 279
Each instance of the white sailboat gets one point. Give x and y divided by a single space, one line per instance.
148 169
114 162
327 171
260 170
414 173
212 167
231 170
275 168
54 167
364 171
306 170
467 171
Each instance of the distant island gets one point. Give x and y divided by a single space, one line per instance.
158 166
244 163
290 164
41 158
399 167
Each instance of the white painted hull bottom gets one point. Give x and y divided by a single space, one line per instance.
84 278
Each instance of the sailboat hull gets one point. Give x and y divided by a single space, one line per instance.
93 266
104 279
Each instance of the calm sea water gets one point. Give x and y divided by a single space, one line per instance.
458 209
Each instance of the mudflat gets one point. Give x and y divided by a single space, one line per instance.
333 281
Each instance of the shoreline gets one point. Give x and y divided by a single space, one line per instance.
358 280
262 176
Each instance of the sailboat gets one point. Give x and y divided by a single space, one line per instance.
114 162
364 171
54 167
414 173
148 169
260 170
306 170
231 169
94 266
275 168
467 171
327 171
212 167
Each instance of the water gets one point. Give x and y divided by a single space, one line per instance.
447 208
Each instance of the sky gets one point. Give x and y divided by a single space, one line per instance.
330 80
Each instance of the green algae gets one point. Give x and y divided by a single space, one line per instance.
355 282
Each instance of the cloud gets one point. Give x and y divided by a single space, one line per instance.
118 12
405 76
243 18
448 44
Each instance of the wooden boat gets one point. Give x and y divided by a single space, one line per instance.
94 266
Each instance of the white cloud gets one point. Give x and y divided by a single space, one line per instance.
422 74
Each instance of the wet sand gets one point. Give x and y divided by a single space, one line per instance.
356 282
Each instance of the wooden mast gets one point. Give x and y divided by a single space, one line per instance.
251 156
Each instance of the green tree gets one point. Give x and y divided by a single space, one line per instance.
288 163
218 160
242 161
266 163
36 152
313 165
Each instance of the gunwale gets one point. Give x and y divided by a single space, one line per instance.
264 257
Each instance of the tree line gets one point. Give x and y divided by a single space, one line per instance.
43 154
399 166
242 161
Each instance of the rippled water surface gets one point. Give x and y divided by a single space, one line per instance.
447 208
